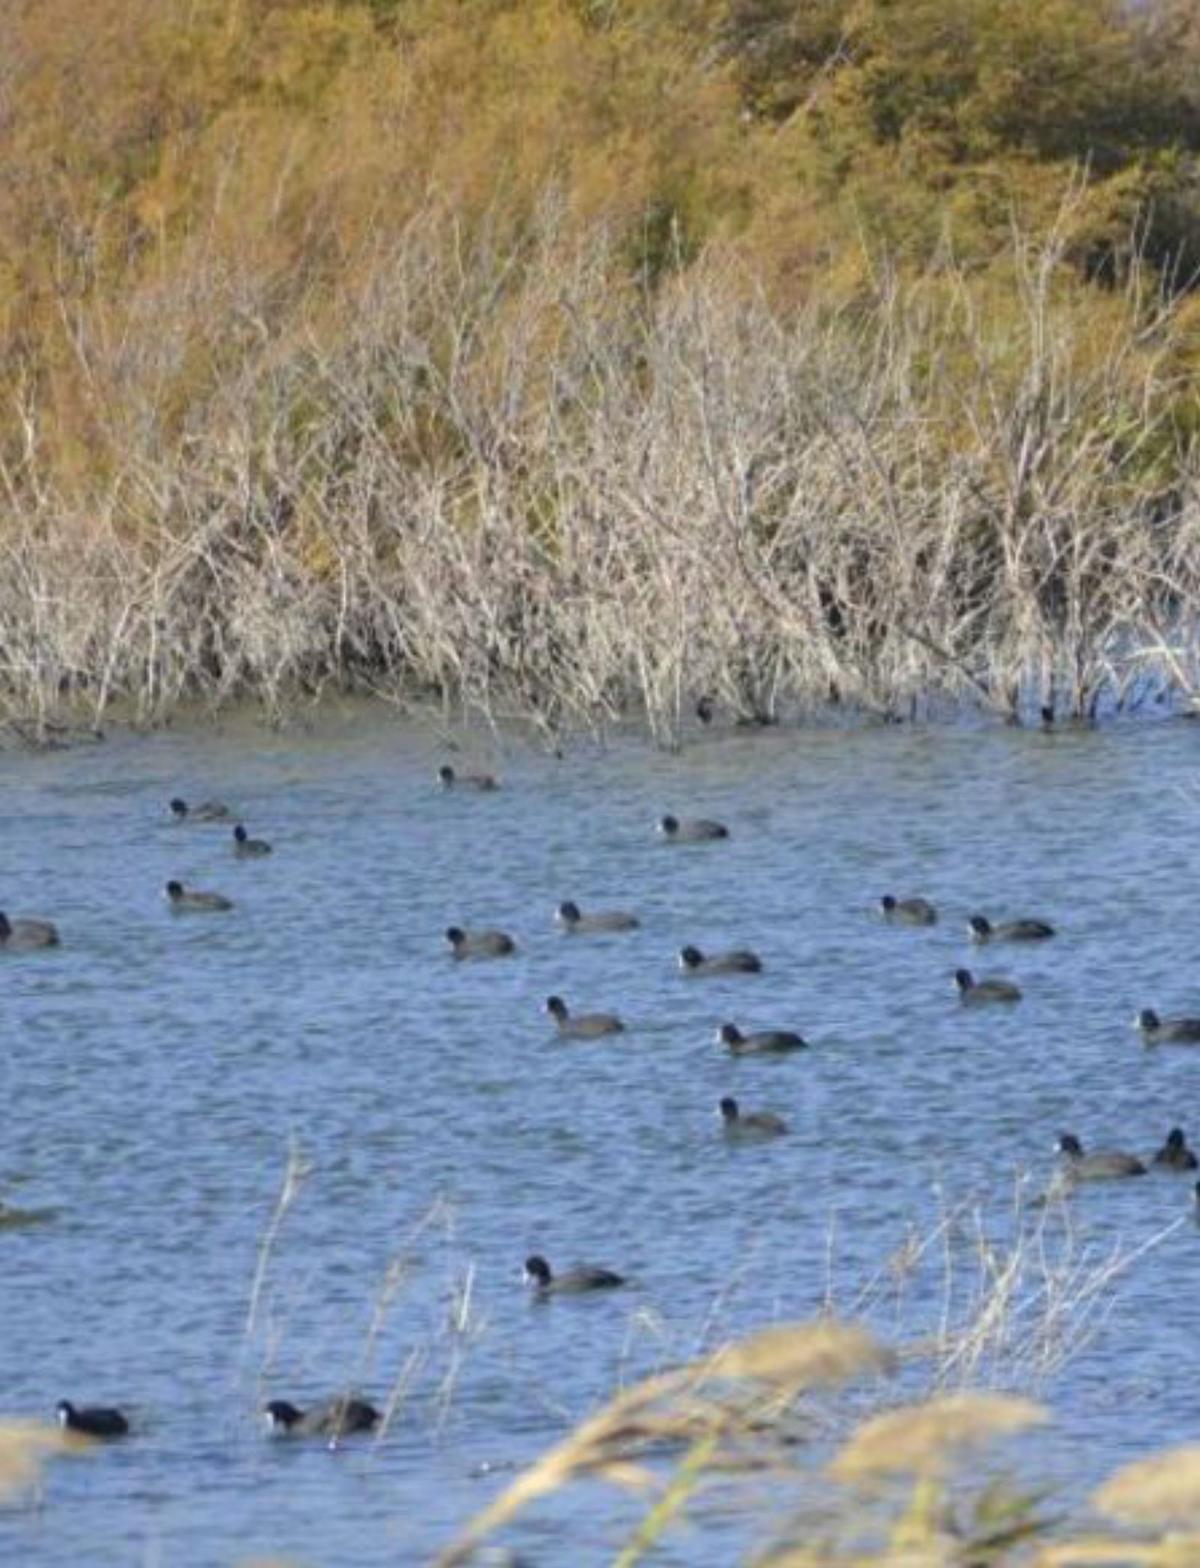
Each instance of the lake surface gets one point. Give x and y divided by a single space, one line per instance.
157 1067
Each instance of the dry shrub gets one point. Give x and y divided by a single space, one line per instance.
498 474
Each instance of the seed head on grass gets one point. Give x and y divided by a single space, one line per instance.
1163 1490
24 1449
925 1439
804 1355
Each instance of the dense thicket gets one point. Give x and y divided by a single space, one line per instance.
249 242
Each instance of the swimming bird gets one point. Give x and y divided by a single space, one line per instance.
336 1417
738 961
571 918
206 811
574 1282
479 944
584 1026
755 1124
17 1219
92 1420
761 1042
908 911
990 989
1175 1154
183 898
23 934
482 781
691 830
1164 1031
982 930
247 848
1104 1165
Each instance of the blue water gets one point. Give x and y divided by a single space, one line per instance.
157 1068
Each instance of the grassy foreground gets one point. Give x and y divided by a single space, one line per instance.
796 1429
903 1490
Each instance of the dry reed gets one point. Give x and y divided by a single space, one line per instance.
513 481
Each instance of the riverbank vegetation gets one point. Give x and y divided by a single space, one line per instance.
576 358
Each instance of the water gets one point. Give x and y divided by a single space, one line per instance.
155 1068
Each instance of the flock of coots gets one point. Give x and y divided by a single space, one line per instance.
1101 1165
344 1414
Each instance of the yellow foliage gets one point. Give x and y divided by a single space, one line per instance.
202 183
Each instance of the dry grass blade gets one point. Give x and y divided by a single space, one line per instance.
587 1449
1161 1490
930 1554
925 1438
1096 1551
683 1484
293 1178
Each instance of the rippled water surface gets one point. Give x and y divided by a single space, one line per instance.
156 1067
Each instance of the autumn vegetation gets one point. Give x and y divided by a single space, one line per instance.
573 357
903 1490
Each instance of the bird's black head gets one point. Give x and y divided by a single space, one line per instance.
537 1270
240 833
1070 1145
281 1415
690 956
729 1109
568 912
174 889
